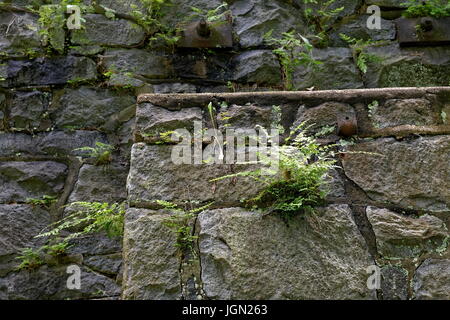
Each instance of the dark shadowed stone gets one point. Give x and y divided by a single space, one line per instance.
337 71
152 120
399 236
50 283
50 71
107 264
358 29
52 143
100 184
257 66
27 110
95 244
100 30
245 255
137 62
419 112
432 280
19 33
394 283
153 176
20 224
174 88
87 107
151 261
411 174
253 19
22 180
244 117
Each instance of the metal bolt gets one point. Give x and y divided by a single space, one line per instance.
203 29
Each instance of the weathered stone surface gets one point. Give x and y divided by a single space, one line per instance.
153 176
52 143
107 264
152 120
135 62
20 224
358 29
396 112
22 180
432 280
253 19
51 284
151 262
87 107
247 256
411 173
407 67
325 115
394 283
337 71
100 30
19 33
244 117
257 66
98 184
49 71
399 236
95 244
174 88
27 110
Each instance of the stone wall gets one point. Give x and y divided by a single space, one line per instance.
388 204
82 88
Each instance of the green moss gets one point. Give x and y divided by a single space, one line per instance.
414 74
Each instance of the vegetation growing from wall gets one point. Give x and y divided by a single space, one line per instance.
180 222
300 183
319 15
359 55
87 218
101 153
428 8
293 50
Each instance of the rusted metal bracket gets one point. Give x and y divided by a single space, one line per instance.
423 31
347 124
203 34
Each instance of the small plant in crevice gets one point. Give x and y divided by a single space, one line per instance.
180 222
29 259
46 201
101 153
149 17
300 183
319 15
57 249
292 50
361 57
90 217
86 218
217 14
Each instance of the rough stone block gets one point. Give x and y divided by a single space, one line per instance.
151 261
245 255
411 174
100 30
22 180
399 236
